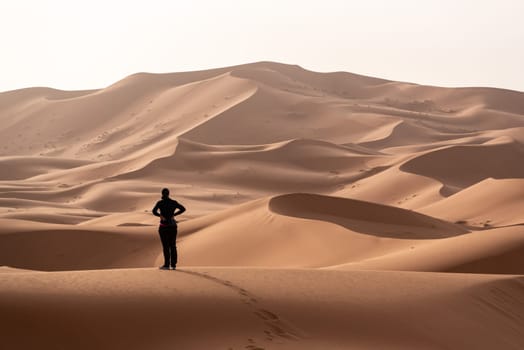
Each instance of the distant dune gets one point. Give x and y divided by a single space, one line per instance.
325 211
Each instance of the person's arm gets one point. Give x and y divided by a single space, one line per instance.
180 208
155 210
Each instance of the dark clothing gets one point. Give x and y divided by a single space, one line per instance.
168 239
168 227
167 208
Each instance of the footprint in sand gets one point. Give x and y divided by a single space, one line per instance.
274 326
252 345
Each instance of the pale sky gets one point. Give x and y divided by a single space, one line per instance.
71 44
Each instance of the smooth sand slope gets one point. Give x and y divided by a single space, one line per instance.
325 211
214 308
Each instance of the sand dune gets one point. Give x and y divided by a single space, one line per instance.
395 187
117 121
310 230
18 168
297 230
302 164
495 251
325 211
39 246
462 166
307 230
261 309
488 203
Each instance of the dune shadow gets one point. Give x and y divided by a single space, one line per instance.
76 249
364 217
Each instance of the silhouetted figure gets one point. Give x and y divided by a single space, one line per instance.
168 227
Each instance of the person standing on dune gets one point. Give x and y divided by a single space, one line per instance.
168 227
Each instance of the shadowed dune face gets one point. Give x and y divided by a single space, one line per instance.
48 247
363 217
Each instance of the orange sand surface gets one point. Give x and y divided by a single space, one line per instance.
325 211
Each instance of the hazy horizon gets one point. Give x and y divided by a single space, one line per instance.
91 45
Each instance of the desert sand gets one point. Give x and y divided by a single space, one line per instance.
325 211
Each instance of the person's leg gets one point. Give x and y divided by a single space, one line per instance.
172 246
165 239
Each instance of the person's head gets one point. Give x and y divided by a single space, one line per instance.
165 193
